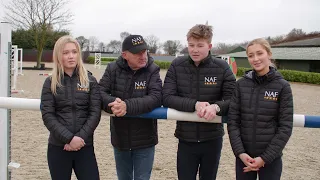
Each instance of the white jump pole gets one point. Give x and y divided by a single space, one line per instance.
5 76
299 120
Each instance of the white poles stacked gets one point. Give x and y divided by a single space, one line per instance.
14 65
15 68
5 43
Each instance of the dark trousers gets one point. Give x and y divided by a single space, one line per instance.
83 162
268 172
203 157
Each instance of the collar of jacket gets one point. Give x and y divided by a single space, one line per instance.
271 75
74 73
124 64
203 61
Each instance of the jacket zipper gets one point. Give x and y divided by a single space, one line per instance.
255 121
73 105
197 124
250 101
130 94
65 88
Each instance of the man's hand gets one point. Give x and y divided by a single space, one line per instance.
209 112
77 143
118 107
116 101
199 108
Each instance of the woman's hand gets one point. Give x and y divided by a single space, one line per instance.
77 143
248 161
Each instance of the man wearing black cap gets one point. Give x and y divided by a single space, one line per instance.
132 86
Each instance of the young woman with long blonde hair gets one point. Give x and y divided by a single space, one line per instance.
71 111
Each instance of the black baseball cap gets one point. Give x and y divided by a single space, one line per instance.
134 44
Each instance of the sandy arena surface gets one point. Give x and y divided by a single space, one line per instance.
29 139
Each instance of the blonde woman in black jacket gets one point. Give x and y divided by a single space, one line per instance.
71 111
260 117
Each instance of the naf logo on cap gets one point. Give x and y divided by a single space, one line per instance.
137 41
210 80
271 95
140 85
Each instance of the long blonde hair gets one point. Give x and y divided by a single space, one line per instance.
58 69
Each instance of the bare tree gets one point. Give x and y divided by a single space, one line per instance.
295 34
93 42
159 51
172 47
153 43
184 50
40 16
82 41
276 39
123 35
101 47
114 46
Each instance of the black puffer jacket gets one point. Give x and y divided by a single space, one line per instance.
185 84
261 115
74 111
141 91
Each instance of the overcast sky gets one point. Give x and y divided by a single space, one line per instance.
233 20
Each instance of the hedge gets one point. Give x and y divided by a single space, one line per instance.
291 75
104 60
300 76
163 64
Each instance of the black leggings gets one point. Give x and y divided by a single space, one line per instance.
83 162
268 172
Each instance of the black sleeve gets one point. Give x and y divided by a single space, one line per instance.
48 111
137 106
93 120
285 124
229 82
234 123
170 97
105 89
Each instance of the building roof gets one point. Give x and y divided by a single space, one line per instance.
306 53
314 42
238 49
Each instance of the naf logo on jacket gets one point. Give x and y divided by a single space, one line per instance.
210 80
140 85
271 95
82 88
